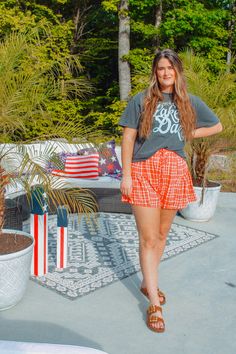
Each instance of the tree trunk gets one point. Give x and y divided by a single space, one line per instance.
76 30
158 20
79 26
231 29
123 49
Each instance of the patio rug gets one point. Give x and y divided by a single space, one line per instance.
103 250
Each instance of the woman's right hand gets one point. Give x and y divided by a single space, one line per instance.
126 185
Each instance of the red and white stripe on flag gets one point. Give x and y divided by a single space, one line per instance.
80 166
39 229
62 247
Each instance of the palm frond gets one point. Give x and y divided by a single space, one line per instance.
218 91
31 172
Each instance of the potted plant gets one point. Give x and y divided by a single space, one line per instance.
16 247
207 191
218 91
15 253
24 89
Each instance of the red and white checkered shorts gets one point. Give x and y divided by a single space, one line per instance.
162 180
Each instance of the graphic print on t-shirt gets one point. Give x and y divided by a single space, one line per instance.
166 120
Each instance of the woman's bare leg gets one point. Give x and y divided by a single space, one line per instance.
148 224
166 219
152 243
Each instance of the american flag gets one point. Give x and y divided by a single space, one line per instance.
80 166
39 229
62 238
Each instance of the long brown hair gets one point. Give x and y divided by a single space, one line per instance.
180 97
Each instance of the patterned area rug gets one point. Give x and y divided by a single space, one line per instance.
103 250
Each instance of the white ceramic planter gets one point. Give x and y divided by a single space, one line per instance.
202 212
14 274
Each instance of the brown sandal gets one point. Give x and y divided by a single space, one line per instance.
151 319
161 295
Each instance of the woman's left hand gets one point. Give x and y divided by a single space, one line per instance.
207 131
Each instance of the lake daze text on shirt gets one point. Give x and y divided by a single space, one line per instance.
166 120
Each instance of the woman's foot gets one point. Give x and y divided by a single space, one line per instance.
155 320
162 297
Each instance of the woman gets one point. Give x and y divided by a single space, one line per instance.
156 180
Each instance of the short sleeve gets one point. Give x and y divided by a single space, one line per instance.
205 116
131 115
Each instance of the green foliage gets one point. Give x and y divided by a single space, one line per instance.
76 65
54 35
107 121
14 20
111 5
191 24
30 93
22 93
218 91
140 60
140 9
148 31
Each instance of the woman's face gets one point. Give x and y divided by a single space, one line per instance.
165 75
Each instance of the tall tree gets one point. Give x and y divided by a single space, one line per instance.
123 49
231 30
158 18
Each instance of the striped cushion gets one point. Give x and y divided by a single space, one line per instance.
80 166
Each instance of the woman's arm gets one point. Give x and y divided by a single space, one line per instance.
127 147
207 131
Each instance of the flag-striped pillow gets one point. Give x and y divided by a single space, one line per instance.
80 166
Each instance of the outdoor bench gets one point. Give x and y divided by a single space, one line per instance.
106 189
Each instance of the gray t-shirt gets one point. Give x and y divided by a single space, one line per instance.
166 130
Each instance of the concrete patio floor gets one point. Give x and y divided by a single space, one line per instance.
200 313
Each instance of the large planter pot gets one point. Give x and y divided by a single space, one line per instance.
14 273
202 212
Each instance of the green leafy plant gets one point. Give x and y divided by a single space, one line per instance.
35 96
23 166
218 91
22 98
